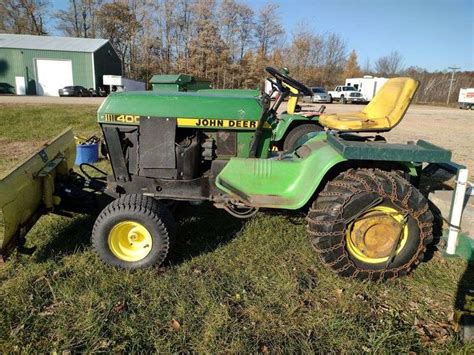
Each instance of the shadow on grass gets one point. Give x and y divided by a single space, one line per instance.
464 300
73 234
202 229
68 239
294 217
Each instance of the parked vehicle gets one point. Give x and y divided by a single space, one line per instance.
368 86
356 97
75 90
99 92
346 94
320 95
93 92
466 98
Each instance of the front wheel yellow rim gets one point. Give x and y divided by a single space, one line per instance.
130 241
372 236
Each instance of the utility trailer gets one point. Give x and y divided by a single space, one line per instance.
119 83
466 98
367 85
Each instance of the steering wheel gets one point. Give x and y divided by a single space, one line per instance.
289 81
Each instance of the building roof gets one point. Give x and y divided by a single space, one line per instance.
69 44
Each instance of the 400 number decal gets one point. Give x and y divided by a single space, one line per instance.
121 118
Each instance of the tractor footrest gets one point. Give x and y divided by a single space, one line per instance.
420 152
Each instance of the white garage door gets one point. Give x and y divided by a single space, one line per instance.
52 75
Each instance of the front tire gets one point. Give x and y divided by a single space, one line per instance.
133 232
370 224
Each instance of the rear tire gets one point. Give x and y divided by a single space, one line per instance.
350 193
296 133
133 232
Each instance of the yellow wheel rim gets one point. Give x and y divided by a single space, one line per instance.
130 241
371 237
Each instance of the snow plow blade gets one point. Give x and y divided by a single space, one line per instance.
27 190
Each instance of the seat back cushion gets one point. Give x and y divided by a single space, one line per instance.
388 107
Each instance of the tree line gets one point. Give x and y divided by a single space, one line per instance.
225 41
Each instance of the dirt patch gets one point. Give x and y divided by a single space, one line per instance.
11 153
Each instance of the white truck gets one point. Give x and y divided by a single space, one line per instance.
346 94
466 98
119 83
368 86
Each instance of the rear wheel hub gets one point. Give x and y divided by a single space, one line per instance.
372 237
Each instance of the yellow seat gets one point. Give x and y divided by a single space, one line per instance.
384 112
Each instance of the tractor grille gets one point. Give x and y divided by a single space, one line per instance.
226 143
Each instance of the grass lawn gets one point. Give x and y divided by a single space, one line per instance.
227 286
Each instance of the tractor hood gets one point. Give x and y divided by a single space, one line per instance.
211 104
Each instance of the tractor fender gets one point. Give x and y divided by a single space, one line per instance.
287 122
286 182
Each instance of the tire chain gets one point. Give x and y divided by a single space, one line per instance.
375 176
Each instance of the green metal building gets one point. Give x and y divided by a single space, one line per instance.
41 65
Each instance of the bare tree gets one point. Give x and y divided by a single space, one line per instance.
236 27
118 23
228 23
304 56
245 28
334 58
209 54
24 16
390 64
269 31
367 69
184 33
79 19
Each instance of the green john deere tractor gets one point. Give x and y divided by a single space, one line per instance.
366 217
